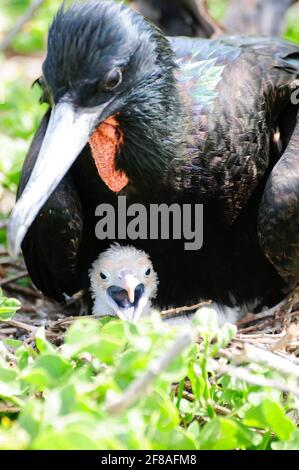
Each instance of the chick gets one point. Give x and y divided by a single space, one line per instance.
123 283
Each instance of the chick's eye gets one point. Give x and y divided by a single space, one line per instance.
113 79
103 276
148 271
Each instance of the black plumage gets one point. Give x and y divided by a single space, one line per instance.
203 121
178 17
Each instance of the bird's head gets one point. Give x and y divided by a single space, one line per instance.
109 79
123 283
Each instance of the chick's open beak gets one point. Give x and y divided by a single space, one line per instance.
130 283
128 299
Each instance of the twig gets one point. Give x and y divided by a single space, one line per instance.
294 314
7 331
221 410
218 408
258 327
18 276
271 312
27 308
3 224
66 321
21 21
283 342
20 325
253 317
172 312
243 374
27 291
6 261
253 336
117 405
6 354
251 354
164 314
203 10
9 409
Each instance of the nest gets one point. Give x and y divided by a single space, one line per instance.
274 330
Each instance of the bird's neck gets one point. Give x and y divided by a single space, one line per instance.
153 141
143 143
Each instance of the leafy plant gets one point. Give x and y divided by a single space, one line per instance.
61 397
8 307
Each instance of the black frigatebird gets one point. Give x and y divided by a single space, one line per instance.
173 120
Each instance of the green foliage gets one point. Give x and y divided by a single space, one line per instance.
292 24
63 393
20 111
33 36
8 307
217 8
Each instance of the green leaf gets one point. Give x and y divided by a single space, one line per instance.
41 343
227 434
30 418
206 321
291 444
270 415
197 382
8 307
12 343
224 337
73 439
22 355
194 431
178 440
48 371
37 377
9 385
86 336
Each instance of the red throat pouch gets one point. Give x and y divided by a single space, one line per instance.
105 143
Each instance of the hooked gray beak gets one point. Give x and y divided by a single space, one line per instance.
67 134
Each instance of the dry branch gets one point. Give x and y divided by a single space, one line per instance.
203 13
243 374
14 278
173 312
251 354
26 291
19 325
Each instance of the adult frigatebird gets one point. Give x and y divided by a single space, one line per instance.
164 120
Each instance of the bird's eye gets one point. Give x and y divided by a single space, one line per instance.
148 271
103 276
113 79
